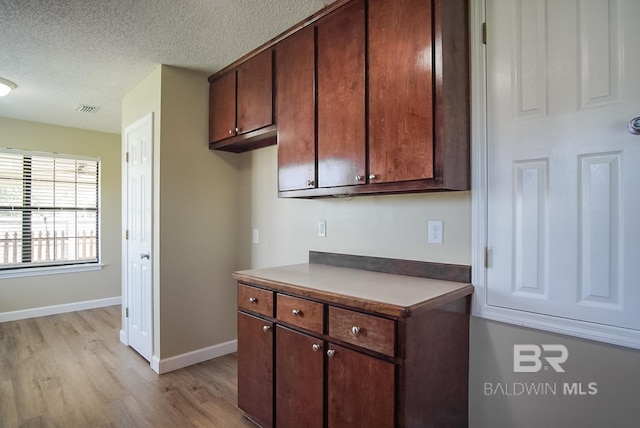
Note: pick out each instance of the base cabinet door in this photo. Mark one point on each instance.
(299, 380)
(360, 389)
(255, 368)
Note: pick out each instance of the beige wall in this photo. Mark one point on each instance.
(18, 294)
(195, 219)
(386, 226)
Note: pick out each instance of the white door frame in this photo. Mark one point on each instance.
(479, 207)
(124, 332)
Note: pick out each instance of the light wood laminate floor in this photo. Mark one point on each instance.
(71, 370)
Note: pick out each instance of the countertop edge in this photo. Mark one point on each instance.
(379, 307)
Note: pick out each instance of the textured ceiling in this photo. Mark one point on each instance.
(62, 53)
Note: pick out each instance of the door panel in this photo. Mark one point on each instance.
(255, 368)
(341, 97)
(360, 390)
(299, 384)
(222, 107)
(400, 90)
(295, 110)
(563, 203)
(139, 145)
(255, 89)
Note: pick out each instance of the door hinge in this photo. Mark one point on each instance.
(484, 33)
(126, 312)
(486, 257)
(126, 234)
(126, 157)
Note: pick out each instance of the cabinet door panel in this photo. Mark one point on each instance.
(255, 93)
(400, 90)
(255, 368)
(295, 110)
(299, 383)
(341, 96)
(360, 390)
(222, 107)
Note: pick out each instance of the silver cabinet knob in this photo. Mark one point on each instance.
(316, 347)
(372, 176)
(145, 256)
(231, 132)
(355, 330)
(331, 353)
(266, 328)
(296, 312)
(238, 130)
(311, 182)
(253, 300)
(359, 178)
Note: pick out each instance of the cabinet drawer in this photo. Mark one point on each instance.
(255, 300)
(300, 312)
(368, 331)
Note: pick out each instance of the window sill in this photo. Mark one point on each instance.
(50, 270)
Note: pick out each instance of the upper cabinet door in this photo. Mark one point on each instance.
(295, 110)
(255, 93)
(341, 97)
(222, 107)
(400, 91)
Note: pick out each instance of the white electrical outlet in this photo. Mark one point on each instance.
(256, 236)
(322, 228)
(435, 230)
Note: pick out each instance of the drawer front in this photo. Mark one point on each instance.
(300, 313)
(255, 300)
(368, 331)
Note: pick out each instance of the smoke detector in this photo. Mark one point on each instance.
(83, 108)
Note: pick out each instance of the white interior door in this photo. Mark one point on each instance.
(139, 146)
(563, 170)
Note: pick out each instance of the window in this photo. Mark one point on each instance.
(48, 210)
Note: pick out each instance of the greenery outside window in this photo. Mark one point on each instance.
(49, 212)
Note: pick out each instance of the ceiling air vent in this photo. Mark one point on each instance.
(83, 108)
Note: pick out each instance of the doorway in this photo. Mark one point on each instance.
(137, 248)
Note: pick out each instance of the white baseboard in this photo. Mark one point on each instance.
(194, 357)
(58, 309)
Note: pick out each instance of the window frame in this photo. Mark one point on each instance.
(24, 269)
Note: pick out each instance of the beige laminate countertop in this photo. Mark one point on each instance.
(389, 294)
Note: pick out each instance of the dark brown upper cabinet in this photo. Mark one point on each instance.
(295, 108)
(241, 106)
(371, 97)
(341, 96)
(400, 91)
(392, 98)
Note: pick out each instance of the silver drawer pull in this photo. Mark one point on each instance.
(316, 347)
(331, 353)
(296, 312)
(355, 330)
(266, 328)
(253, 300)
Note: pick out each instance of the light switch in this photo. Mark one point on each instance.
(322, 228)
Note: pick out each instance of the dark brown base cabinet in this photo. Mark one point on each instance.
(304, 361)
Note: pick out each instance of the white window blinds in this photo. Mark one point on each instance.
(48, 210)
